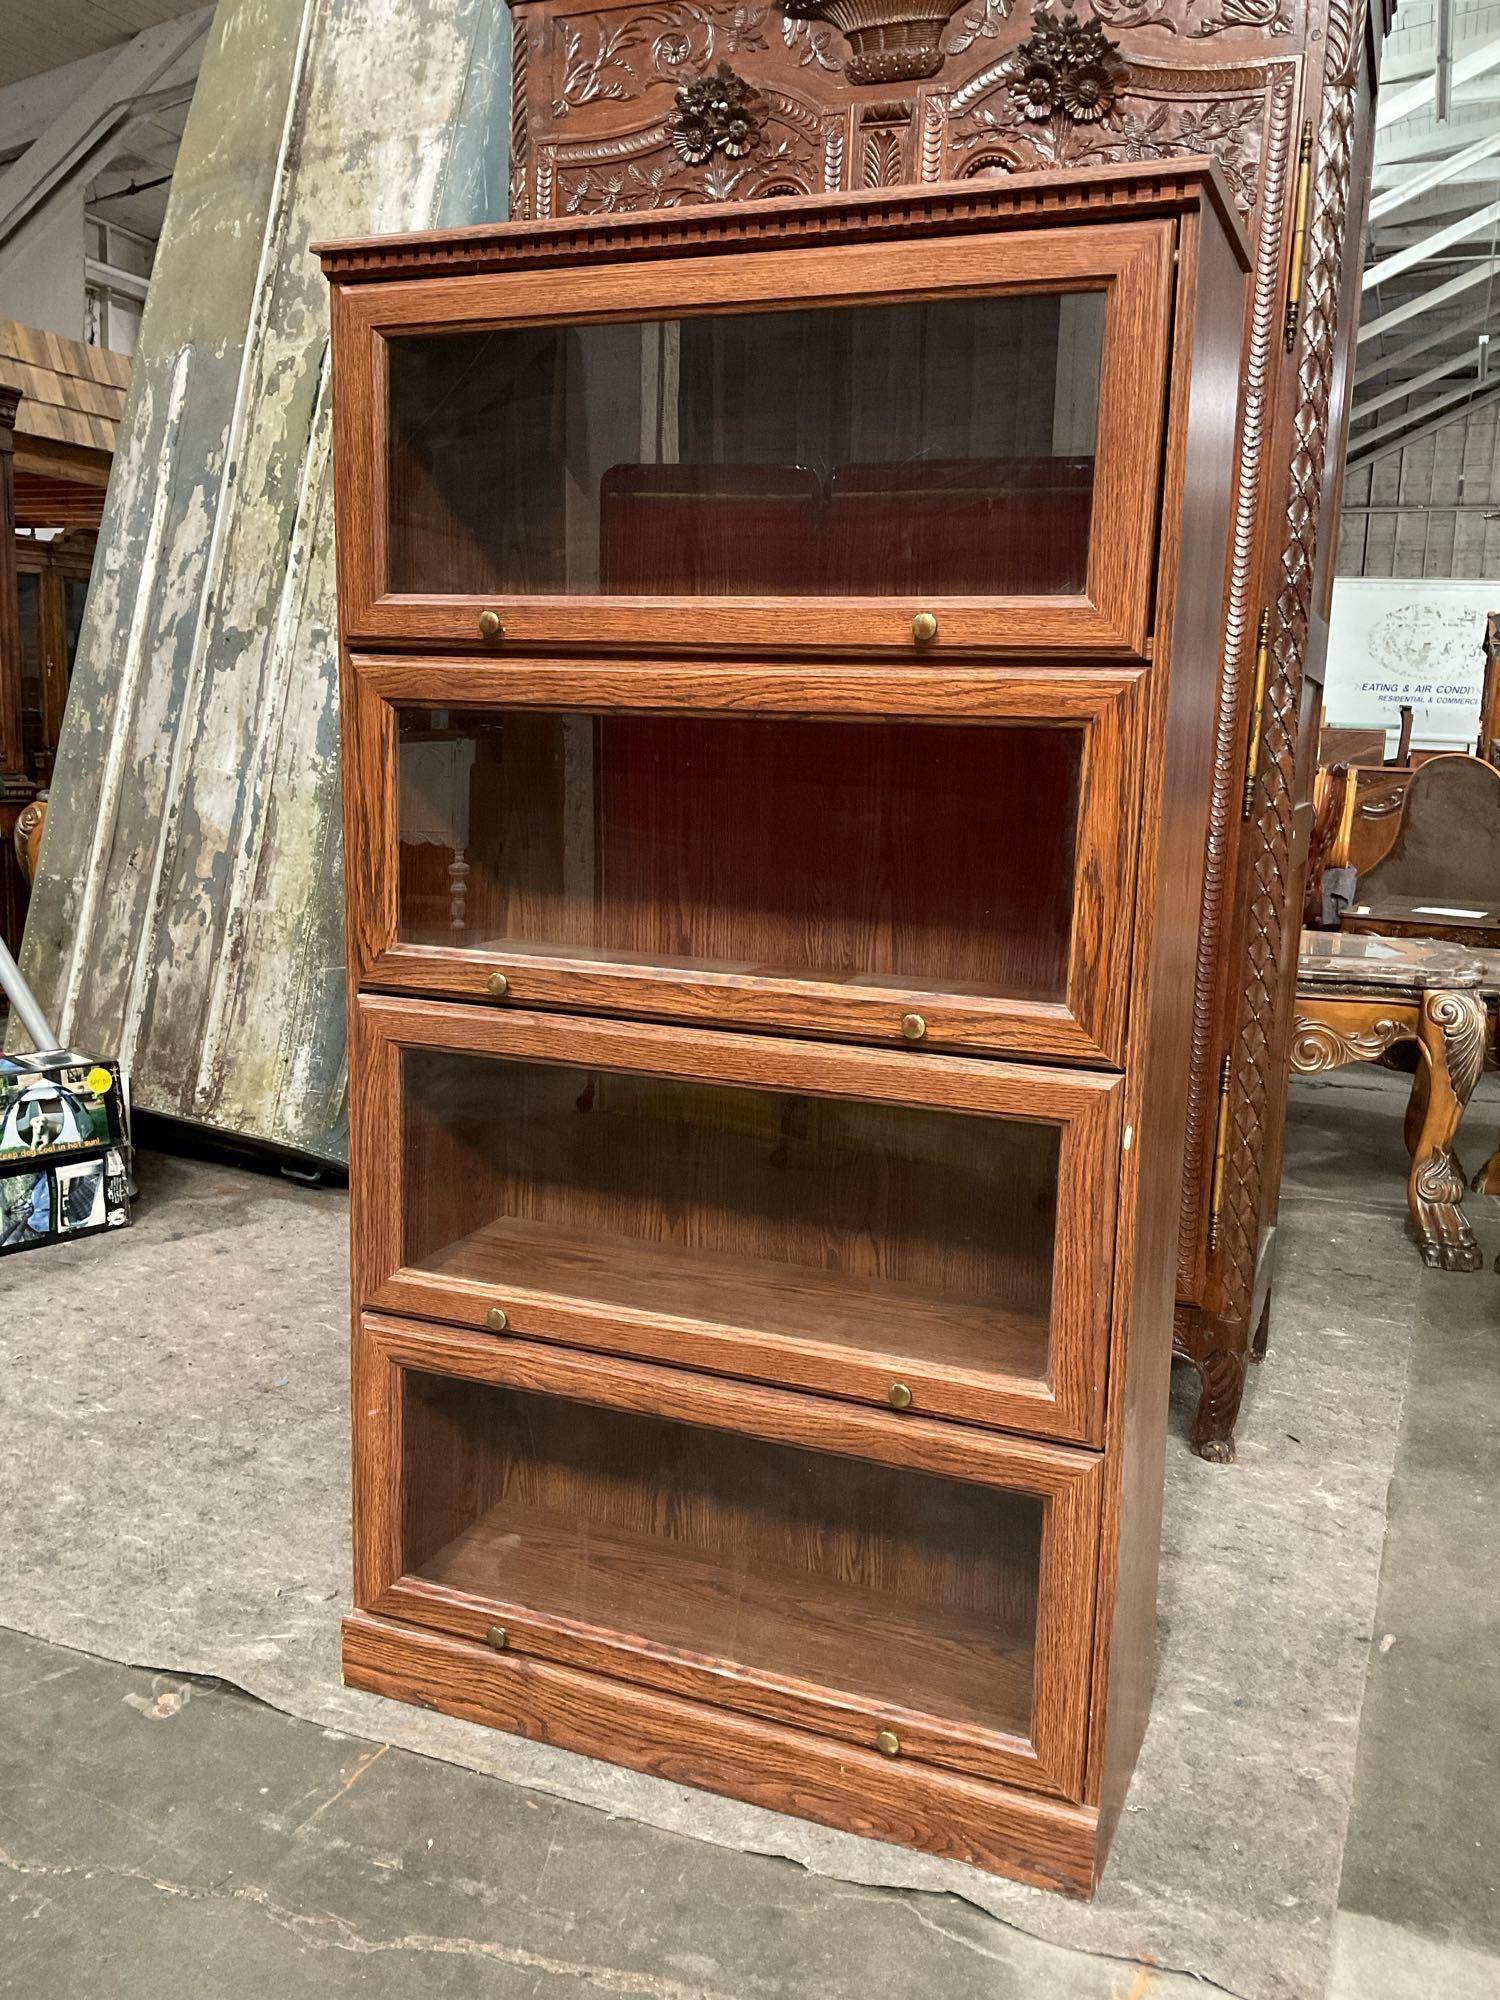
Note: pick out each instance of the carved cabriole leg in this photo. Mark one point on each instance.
(1417, 1106)
(1485, 1181)
(1451, 1033)
(1215, 1350)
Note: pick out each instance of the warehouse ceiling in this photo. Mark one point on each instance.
(1432, 277)
(39, 37)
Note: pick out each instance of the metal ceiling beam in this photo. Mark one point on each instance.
(1428, 246)
(1393, 154)
(73, 139)
(1437, 175)
(1395, 435)
(1409, 51)
(1397, 390)
(1482, 268)
(1449, 330)
(1417, 96)
(1442, 68)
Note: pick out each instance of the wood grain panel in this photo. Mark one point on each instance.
(1037, 1840)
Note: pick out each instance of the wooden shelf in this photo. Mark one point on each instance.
(437, 934)
(643, 1589)
(880, 1318)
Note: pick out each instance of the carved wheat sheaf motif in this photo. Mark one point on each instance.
(1271, 834)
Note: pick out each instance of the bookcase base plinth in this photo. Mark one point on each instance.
(998, 1828)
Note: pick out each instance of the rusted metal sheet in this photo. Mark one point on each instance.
(188, 913)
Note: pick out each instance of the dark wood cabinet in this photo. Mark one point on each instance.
(779, 653)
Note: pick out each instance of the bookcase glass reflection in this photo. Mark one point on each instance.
(903, 854)
(788, 1214)
(944, 447)
(892, 1585)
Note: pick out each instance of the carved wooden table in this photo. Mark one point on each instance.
(1357, 997)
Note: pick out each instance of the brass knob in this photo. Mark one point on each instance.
(496, 1320)
(898, 1396)
(888, 1743)
(924, 628)
(913, 1027)
(489, 625)
(498, 1637)
(497, 985)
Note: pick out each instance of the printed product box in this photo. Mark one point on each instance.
(63, 1143)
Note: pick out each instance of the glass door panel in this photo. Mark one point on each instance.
(940, 448)
(911, 447)
(759, 1560)
(890, 1228)
(905, 856)
(924, 1233)
(950, 863)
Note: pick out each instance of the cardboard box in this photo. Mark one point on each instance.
(63, 1145)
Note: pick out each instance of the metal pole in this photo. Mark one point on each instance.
(21, 997)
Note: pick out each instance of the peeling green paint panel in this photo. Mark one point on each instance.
(188, 915)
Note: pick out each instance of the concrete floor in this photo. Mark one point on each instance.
(163, 1839)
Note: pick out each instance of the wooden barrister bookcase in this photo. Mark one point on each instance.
(779, 653)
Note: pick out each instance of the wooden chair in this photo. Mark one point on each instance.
(1441, 877)
(28, 835)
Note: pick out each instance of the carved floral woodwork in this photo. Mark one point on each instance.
(1063, 95)
(717, 114)
(1066, 68)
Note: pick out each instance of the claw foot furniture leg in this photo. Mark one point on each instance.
(1450, 1031)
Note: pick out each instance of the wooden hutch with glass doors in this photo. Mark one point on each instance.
(779, 654)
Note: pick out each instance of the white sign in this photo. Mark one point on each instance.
(1411, 641)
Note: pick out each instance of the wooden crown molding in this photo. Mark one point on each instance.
(1129, 192)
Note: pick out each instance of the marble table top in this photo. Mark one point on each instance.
(1349, 962)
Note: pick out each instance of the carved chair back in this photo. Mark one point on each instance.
(1447, 848)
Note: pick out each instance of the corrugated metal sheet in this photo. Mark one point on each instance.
(188, 914)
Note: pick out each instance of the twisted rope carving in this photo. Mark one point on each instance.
(1256, 1054)
(520, 208)
(1265, 329)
